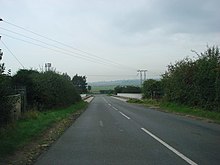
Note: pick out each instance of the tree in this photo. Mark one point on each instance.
(2, 66)
(54, 90)
(195, 82)
(24, 78)
(152, 89)
(46, 89)
(80, 83)
(5, 91)
(89, 88)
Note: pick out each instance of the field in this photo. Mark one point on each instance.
(96, 89)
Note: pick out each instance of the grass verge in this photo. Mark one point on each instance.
(180, 109)
(32, 125)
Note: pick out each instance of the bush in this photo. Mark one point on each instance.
(47, 89)
(152, 89)
(195, 82)
(5, 105)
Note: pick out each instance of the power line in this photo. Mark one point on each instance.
(103, 59)
(50, 48)
(12, 54)
(54, 46)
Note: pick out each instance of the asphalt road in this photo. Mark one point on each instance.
(111, 131)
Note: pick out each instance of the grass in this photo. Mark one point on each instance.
(180, 109)
(31, 126)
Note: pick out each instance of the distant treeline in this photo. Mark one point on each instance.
(127, 89)
(193, 82)
(122, 89)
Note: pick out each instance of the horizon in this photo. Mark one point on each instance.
(106, 40)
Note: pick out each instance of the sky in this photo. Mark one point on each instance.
(106, 39)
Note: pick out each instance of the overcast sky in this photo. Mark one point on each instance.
(113, 38)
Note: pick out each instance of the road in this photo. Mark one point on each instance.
(111, 131)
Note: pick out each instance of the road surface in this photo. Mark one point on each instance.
(111, 131)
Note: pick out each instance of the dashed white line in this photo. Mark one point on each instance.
(109, 104)
(170, 148)
(115, 108)
(105, 100)
(124, 115)
(101, 123)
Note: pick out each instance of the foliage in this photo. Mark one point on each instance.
(137, 101)
(152, 89)
(89, 88)
(24, 78)
(47, 89)
(178, 108)
(80, 83)
(5, 104)
(54, 90)
(127, 89)
(5, 90)
(195, 82)
(2, 66)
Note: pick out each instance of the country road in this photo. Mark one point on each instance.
(113, 132)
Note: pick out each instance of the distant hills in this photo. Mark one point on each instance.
(134, 82)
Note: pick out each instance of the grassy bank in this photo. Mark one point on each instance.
(180, 109)
(31, 126)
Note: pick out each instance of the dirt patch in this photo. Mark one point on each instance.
(29, 153)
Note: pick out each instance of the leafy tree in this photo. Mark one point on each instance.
(2, 66)
(89, 88)
(24, 78)
(80, 83)
(152, 89)
(54, 90)
(5, 91)
(195, 82)
(46, 89)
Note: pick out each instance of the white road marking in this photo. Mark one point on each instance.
(105, 100)
(170, 148)
(124, 115)
(115, 108)
(109, 104)
(101, 123)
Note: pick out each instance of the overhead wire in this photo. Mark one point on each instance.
(84, 57)
(12, 54)
(45, 47)
(30, 31)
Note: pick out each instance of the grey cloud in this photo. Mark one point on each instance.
(175, 16)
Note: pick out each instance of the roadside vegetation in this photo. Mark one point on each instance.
(44, 98)
(180, 109)
(32, 125)
(190, 86)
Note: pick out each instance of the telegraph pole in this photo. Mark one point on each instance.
(141, 75)
(47, 67)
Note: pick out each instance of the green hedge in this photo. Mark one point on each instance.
(195, 82)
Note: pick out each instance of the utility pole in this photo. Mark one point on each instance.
(141, 71)
(47, 67)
